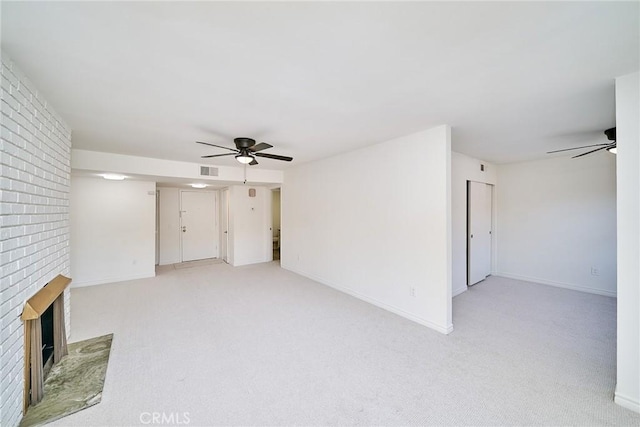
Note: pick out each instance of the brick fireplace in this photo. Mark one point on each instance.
(34, 219)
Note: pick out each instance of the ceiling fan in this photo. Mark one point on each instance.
(609, 146)
(246, 151)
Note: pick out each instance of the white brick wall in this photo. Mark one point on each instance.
(34, 219)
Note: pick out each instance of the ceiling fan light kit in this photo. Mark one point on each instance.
(246, 151)
(245, 158)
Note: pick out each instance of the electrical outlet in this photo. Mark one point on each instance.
(594, 271)
(412, 291)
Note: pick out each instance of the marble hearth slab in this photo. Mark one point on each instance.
(75, 383)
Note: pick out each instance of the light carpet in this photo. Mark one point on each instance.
(258, 345)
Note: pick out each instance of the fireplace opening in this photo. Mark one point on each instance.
(46, 321)
(45, 337)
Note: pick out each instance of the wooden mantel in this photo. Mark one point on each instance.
(37, 304)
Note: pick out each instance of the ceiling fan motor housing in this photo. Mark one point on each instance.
(244, 143)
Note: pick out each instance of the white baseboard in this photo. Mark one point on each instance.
(557, 284)
(400, 312)
(102, 281)
(243, 263)
(627, 402)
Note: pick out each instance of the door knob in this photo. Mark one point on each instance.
(184, 228)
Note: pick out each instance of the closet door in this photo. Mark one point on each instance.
(478, 231)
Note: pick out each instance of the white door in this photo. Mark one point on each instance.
(198, 225)
(224, 224)
(479, 231)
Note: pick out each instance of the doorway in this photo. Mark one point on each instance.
(198, 225)
(479, 231)
(275, 222)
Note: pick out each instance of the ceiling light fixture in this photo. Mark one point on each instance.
(613, 150)
(113, 176)
(198, 185)
(245, 158)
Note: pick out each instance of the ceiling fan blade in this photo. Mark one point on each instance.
(253, 162)
(576, 148)
(261, 146)
(219, 146)
(274, 156)
(217, 155)
(593, 151)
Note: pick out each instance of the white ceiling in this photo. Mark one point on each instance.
(314, 79)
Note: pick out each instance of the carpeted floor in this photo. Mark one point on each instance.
(257, 345)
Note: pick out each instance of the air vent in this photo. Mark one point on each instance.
(208, 171)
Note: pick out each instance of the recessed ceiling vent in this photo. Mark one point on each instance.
(208, 171)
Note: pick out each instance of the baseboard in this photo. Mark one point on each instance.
(249, 262)
(457, 292)
(557, 284)
(627, 402)
(393, 309)
(102, 281)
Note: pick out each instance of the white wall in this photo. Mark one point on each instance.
(375, 223)
(112, 230)
(463, 169)
(250, 238)
(557, 221)
(169, 229)
(35, 160)
(628, 335)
